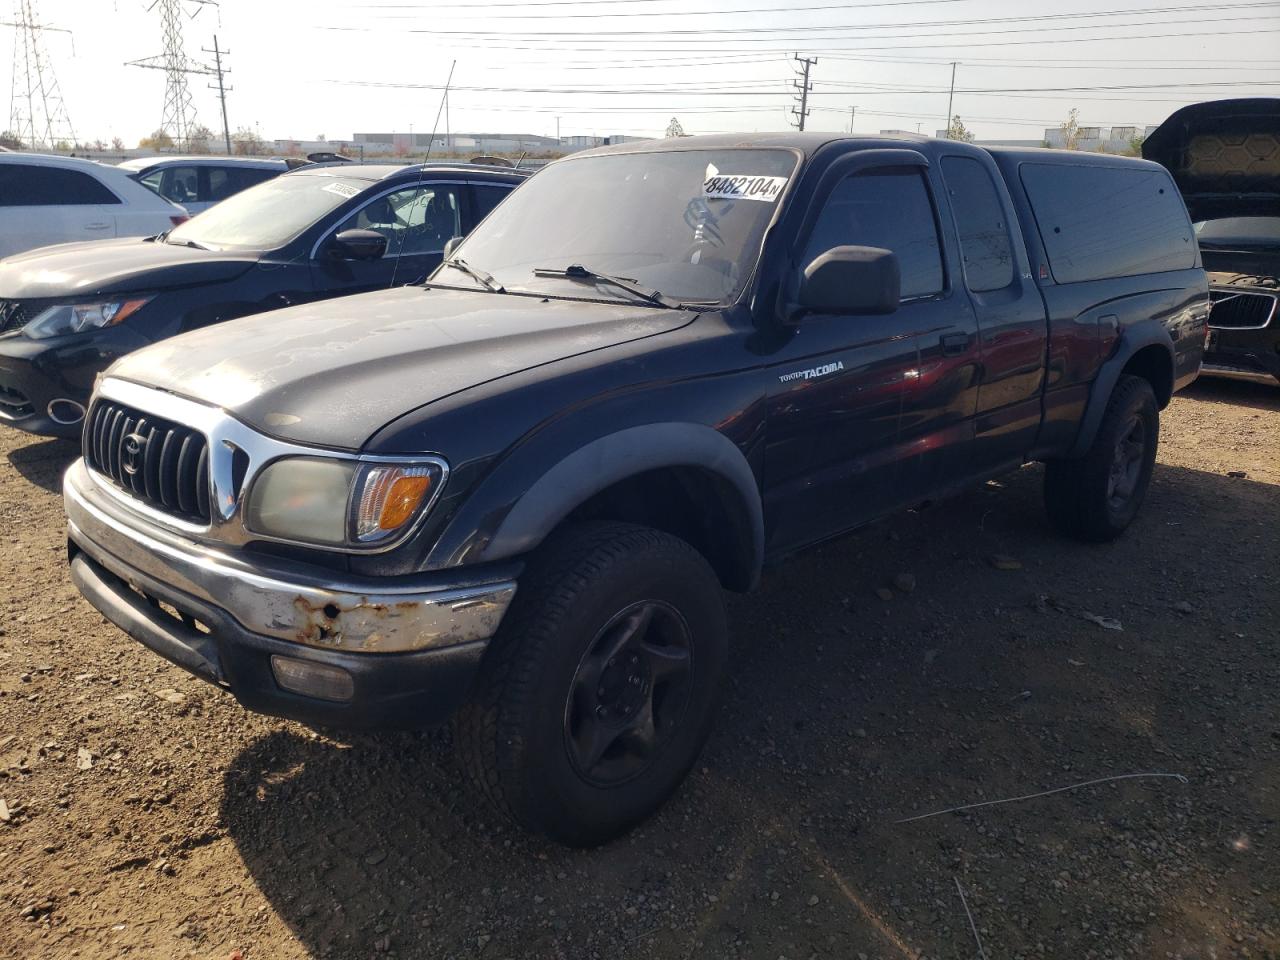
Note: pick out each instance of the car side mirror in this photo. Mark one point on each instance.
(359, 245)
(851, 280)
(451, 246)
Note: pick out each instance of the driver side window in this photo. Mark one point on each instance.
(416, 220)
(888, 208)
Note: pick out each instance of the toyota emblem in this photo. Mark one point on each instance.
(131, 453)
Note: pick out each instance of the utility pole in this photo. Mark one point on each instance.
(804, 86)
(852, 111)
(557, 131)
(951, 97)
(222, 90)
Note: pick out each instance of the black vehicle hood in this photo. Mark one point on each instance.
(333, 373)
(126, 265)
(1224, 156)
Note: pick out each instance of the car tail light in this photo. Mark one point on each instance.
(178, 219)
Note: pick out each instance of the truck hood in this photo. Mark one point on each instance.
(332, 373)
(126, 265)
(1224, 156)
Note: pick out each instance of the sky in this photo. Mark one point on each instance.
(305, 68)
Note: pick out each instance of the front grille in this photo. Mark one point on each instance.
(13, 315)
(1240, 311)
(15, 404)
(162, 463)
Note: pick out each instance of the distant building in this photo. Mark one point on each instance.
(413, 143)
(1106, 139)
(570, 144)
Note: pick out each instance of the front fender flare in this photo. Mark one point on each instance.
(614, 457)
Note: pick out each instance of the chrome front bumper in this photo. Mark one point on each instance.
(320, 609)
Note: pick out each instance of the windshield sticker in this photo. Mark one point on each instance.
(341, 189)
(743, 187)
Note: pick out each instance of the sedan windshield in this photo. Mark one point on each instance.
(686, 224)
(269, 215)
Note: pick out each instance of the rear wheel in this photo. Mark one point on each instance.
(1097, 496)
(599, 690)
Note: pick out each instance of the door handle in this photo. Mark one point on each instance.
(97, 226)
(955, 344)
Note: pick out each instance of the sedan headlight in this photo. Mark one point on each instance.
(341, 503)
(66, 318)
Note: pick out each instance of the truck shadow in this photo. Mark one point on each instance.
(1259, 396)
(43, 462)
(984, 678)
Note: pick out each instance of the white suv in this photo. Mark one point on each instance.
(49, 199)
(197, 183)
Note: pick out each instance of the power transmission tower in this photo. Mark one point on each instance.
(804, 86)
(37, 115)
(221, 88)
(179, 116)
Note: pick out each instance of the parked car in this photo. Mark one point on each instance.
(197, 183)
(1225, 158)
(318, 232)
(514, 494)
(46, 200)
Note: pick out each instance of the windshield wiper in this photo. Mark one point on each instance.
(475, 273)
(187, 243)
(576, 271)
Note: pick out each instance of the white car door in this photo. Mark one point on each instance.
(44, 205)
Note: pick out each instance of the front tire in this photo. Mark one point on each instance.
(600, 687)
(1096, 497)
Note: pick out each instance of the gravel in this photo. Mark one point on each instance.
(200, 830)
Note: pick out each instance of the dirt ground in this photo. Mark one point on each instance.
(145, 814)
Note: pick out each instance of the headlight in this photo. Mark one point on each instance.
(341, 503)
(66, 318)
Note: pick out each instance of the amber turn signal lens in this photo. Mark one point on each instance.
(402, 500)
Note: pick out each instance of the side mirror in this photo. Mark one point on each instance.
(358, 245)
(451, 246)
(851, 280)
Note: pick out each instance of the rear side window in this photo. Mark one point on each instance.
(226, 181)
(980, 222)
(487, 196)
(1102, 222)
(180, 184)
(29, 185)
(250, 177)
(887, 208)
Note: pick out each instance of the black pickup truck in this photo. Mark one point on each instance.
(512, 495)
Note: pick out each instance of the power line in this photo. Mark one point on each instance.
(790, 10)
(602, 3)
(490, 45)
(863, 27)
(805, 88)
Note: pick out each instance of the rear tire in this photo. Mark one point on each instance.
(1096, 497)
(600, 687)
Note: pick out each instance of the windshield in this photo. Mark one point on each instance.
(686, 223)
(268, 215)
(1239, 232)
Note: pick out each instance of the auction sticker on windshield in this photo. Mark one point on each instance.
(341, 189)
(743, 187)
